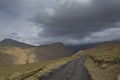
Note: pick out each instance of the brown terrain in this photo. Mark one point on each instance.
(103, 61)
(13, 52)
(55, 61)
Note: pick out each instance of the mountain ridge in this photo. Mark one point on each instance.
(22, 53)
(13, 43)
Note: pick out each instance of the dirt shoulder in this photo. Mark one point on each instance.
(103, 71)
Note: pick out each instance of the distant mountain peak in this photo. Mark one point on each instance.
(6, 40)
(11, 42)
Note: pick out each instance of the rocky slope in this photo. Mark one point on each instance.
(13, 52)
(103, 61)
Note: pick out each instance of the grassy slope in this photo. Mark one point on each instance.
(108, 52)
(19, 54)
(14, 55)
(31, 71)
(103, 61)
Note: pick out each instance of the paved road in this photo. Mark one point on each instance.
(74, 70)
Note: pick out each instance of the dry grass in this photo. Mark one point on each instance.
(22, 55)
(99, 73)
(19, 55)
(31, 71)
(104, 61)
(104, 53)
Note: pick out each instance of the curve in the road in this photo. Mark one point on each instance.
(74, 70)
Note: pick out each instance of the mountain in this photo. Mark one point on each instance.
(13, 43)
(55, 50)
(103, 61)
(85, 46)
(79, 47)
(104, 52)
(13, 52)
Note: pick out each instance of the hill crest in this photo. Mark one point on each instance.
(22, 53)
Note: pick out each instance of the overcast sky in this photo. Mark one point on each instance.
(68, 21)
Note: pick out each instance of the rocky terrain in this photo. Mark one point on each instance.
(13, 52)
(103, 60)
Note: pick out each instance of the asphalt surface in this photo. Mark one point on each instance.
(74, 70)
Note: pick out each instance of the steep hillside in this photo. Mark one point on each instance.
(104, 52)
(52, 51)
(13, 52)
(103, 61)
(6, 59)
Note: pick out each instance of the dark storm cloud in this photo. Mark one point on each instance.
(67, 21)
(76, 20)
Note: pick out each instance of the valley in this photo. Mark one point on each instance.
(55, 61)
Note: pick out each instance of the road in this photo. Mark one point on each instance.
(74, 70)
